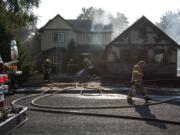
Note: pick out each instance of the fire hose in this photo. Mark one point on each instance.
(73, 111)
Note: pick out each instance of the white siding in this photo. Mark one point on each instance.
(47, 41)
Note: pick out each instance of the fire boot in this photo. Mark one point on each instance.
(129, 99)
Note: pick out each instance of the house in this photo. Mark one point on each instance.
(58, 34)
(142, 41)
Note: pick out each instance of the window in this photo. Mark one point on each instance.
(160, 55)
(58, 36)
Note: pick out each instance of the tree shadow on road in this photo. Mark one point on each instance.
(145, 112)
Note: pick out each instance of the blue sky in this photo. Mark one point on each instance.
(133, 9)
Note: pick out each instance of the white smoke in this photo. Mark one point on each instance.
(105, 21)
(103, 18)
(173, 25)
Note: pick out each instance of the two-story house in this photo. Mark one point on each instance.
(57, 34)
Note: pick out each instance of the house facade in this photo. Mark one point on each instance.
(143, 41)
(58, 33)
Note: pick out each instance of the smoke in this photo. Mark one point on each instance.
(104, 21)
(103, 18)
(101, 22)
(172, 25)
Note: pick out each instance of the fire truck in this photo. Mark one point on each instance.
(8, 70)
(10, 118)
(4, 80)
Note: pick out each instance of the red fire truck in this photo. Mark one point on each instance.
(8, 71)
(3, 84)
(9, 117)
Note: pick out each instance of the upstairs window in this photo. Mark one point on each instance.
(58, 37)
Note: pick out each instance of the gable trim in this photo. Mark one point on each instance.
(44, 27)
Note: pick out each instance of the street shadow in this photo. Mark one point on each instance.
(145, 112)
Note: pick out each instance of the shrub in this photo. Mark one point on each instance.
(26, 65)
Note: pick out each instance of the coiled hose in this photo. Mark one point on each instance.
(73, 111)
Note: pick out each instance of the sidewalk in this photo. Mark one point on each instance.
(63, 80)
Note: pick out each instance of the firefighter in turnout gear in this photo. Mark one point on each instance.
(88, 66)
(47, 70)
(136, 81)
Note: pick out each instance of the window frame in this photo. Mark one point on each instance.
(58, 37)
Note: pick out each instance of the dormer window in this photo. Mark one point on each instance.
(58, 37)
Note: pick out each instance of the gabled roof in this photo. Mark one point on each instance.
(82, 25)
(44, 27)
(140, 23)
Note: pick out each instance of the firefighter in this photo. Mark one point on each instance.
(47, 70)
(136, 81)
(88, 66)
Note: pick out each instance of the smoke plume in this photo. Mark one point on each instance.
(105, 21)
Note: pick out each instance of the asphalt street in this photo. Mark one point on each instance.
(43, 123)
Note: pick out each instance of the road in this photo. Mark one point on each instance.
(41, 123)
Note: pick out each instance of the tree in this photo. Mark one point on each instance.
(71, 50)
(170, 24)
(19, 12)
(15, 15)
(87, 14)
